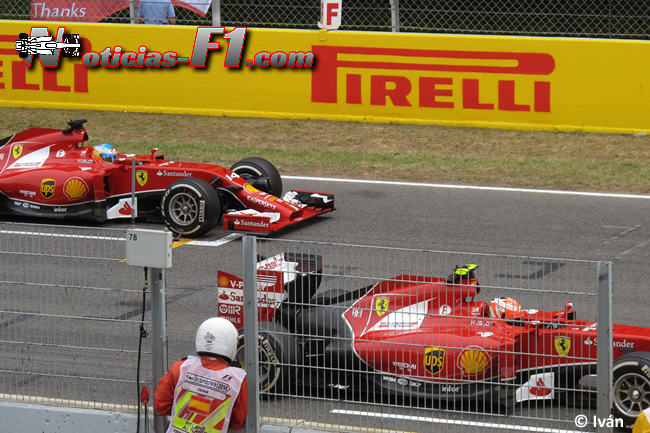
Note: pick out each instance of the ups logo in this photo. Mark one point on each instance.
(434, 359)
(47, 187)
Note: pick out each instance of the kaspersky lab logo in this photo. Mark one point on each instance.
(48, 48)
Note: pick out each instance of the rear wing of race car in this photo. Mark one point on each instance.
(311, 204)
(286, 278)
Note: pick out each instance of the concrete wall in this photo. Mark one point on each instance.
(28, 418)
(36, 418)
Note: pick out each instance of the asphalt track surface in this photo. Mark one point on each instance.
(444, 218)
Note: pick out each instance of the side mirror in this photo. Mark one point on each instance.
(568, 311)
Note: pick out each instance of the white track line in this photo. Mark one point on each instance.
(489, 188)
(454, 422)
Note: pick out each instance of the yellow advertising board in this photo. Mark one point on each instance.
(487, 81)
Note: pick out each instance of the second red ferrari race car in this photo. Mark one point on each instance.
(428, 339)
(54, 173)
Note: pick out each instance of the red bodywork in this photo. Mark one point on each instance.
(52, 173)
(431, 329)
(423, 336)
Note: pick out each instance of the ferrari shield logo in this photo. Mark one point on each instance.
(142, 177)
(47, 188)
(562, 345)
(381, 306)
(434, 359)
(17, 151)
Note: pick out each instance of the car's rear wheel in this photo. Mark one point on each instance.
(261, 174)
(631, 389)
(191, 207)
(278, 356)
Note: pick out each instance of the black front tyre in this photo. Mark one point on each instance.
(261, 174)
(191, 207)
(631, 388)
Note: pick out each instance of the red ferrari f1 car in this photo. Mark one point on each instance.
(53, 173)
(428, 339)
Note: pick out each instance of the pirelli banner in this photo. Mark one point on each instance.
(486, 81)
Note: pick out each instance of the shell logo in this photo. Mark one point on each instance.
(75, 188)
(473, 360)
(223, 282)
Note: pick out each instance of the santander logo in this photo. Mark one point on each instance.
(541, 389)
(126, 209)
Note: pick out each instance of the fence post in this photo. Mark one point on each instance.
(605, 346)
(156, 278)
(251, 350)
(216, 13)
(152, 249)
(394, 15)
(133, 11)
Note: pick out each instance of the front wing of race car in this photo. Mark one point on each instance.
(308, 204)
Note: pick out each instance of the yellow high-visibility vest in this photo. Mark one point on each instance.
(642, 424)
(204, 398)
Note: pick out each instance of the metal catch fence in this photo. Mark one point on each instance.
(70, 317)
(584, 18)
(356, 337)
(348, 337)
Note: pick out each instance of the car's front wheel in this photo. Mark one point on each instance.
(261, 174)
(191, 207)
(631, 373)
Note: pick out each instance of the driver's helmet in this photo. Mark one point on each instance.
(105, 151)
(500, 308)
(217, 337)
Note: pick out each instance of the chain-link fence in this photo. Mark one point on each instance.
(585, 18)
(349, 336)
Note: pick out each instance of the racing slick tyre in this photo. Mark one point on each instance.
(191, 207)
(278, 356)
(631, 389)
(261, 174)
